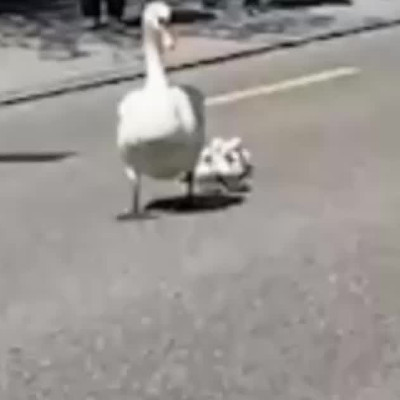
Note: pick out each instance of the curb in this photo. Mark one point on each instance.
(115, 77)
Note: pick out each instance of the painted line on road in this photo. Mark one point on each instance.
(282, 86)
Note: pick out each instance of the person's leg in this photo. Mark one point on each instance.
(91, 9)
(115, 9)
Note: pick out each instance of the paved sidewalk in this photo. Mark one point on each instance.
(99, 58)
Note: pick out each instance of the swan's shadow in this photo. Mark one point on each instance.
(145, 215)
(40, 157)
(197, 204)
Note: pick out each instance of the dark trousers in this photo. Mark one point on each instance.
(92, 8)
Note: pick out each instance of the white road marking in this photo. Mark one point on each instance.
(282, 86)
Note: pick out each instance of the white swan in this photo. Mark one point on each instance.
(161, 127)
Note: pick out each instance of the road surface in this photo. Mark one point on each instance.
(291, 294)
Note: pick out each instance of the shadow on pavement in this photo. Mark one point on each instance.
(34, 157)
(200, 203)
(145, 215)
(276, 21)
(305, 3)
(255, 18)
(44, 25)
(180, 16)
(53, 27)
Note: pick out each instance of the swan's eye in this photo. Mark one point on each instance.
(164, 21)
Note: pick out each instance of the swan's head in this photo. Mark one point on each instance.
(157, 18)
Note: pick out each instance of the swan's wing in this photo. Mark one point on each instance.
(189, 108)
(122, 107)
(128, 102)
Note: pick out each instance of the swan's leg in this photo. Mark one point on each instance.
(134, 178)
(136, 189)
(190, 185)
(134, 210)
(189, 198)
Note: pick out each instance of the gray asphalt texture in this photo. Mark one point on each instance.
(291, 294)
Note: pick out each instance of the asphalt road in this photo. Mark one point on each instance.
(292, 294)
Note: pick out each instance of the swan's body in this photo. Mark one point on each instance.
(161, 136)
(161, 127)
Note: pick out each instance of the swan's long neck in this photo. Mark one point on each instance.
(156, 75)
